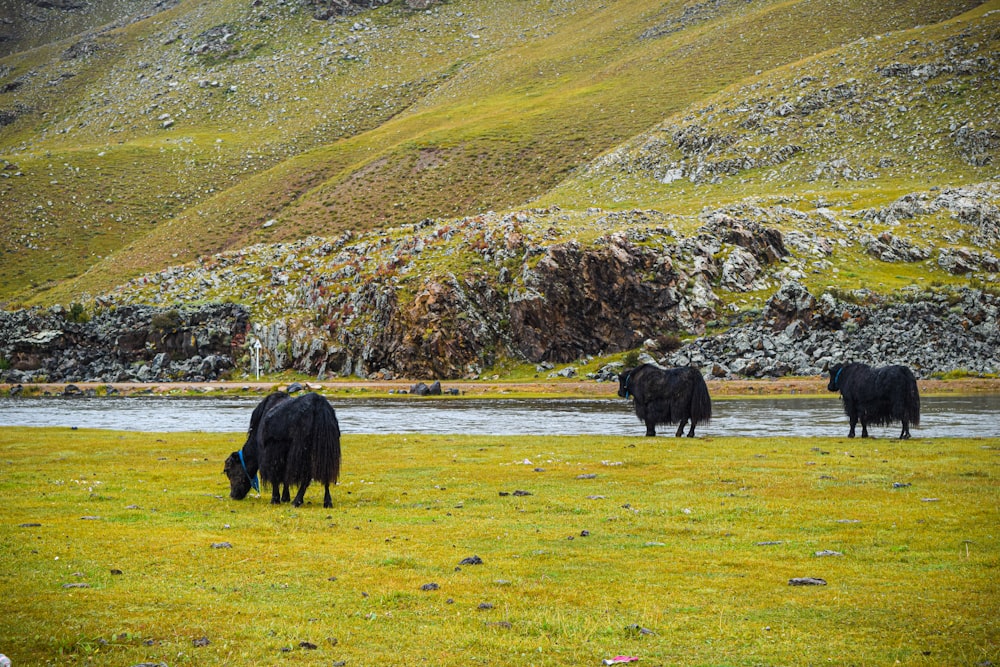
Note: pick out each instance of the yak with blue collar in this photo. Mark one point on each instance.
(877, 396)
(291, 441)
(667, 396)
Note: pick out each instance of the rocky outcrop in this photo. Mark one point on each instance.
(798, 334)
(576, 301)
(131, 343)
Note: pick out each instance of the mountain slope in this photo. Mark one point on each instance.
(211, 125)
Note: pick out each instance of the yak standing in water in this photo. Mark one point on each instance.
(667, 396)
(291, 441)
(877, 396)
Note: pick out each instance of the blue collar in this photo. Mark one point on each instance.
(836, 383)
(628, 378)
(253, 480)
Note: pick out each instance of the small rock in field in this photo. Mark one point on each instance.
(430, 587)
(828, 552)
(806, 581)
(221, 545)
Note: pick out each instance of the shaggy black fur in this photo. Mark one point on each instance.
(667, 396)
(290, 441)
(877, 396)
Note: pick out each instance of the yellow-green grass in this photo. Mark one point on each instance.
(692, 540)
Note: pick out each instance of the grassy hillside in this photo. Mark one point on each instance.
(212, 125)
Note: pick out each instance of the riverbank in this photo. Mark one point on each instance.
(488, 389)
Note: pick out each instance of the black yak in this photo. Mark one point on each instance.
(877, 396)
(290, 441)
(667, 396)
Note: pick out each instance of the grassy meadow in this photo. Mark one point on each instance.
(120, 548)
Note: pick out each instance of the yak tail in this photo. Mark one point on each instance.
(701, 402)
(911, 400)
(325, 443)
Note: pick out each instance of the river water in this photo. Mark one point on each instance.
(968, 416)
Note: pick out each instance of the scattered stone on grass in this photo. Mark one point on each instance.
(308, 646)
(485, 606)
(900, 485)
(806, 581)
(30, 525)
(589, 475)
(637, 629)
(430, 587)
(769, 544)
(828, 552)
(79, 585)
(201, 641)
(221, 545)
(471, 560)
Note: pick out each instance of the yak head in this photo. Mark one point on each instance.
(624, 391)
(834, 372)
(240, 481)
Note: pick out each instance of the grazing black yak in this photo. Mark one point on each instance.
(667, 396)
(877, 396)
(290, 441)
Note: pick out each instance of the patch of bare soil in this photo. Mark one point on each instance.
(564, 389)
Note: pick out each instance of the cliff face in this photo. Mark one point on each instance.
(133, 343)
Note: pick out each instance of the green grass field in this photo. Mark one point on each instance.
(678, 552)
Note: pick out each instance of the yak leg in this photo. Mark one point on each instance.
(285, 496)
(864, 428)
(905, 435)
(691, 430)
(854, 422)
(300, 495)
(680, 428)
(650, 428)
(275, 496)
(327, 500)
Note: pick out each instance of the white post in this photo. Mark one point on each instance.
(256, 354)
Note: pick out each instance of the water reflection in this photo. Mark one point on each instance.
(972, 416)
